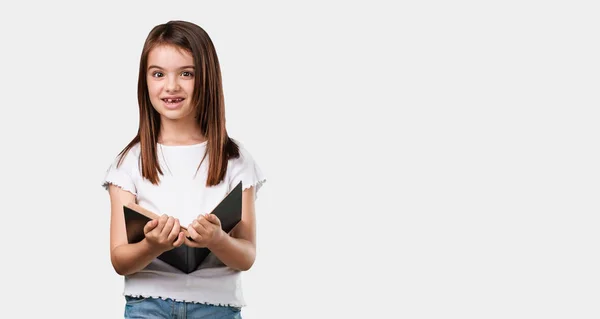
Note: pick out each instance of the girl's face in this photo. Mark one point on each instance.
(170, 78)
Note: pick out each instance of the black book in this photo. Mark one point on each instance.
(185, 258)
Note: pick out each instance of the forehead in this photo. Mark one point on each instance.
(169, 57)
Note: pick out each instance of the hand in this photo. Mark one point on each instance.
(205, 231)
(164, 233)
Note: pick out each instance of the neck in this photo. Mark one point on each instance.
(180, 132)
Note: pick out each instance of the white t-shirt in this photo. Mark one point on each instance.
(182, 193)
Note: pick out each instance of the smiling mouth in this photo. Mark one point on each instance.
(173, 101)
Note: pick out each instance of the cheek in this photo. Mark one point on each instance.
(188, 86)
(153, 89)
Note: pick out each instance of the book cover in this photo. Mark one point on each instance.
(185, 258)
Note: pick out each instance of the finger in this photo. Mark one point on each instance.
(206, 224)
(168, 227)
(180, 240)
(150, 225)
(174, 230)
(214, 219)
(197, 225)
(186, 233)
(161, 223)
(194, 234)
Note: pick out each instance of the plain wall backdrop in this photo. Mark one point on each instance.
(426, 159)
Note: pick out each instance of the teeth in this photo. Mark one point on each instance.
(173, 100)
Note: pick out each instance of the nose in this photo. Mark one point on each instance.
(172, 84)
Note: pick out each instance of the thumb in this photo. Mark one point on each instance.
(150, 226)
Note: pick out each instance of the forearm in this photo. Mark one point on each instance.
(236, 253)
(131, 258)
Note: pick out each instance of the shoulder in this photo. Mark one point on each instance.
(244, 168)
(244, 158)
(134, 151)
(123, 170)
(128, 158)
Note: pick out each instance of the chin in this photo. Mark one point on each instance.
(175, 114)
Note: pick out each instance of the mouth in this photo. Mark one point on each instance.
(172, 103)
(174, 100)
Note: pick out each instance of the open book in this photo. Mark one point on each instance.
(185, 258)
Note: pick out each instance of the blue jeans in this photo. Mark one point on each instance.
(155, 308)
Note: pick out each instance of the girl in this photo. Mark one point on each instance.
(181, 164)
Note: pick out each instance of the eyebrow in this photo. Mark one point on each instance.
(181, 68)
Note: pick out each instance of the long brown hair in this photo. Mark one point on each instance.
(207, 100)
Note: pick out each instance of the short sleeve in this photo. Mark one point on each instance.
(246, 170)
(121, 175)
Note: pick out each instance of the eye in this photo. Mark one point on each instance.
(157, 74)
(187, 74)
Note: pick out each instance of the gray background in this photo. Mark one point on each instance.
(425, 159)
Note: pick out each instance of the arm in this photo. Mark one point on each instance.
(237, 250)
(160, 236)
